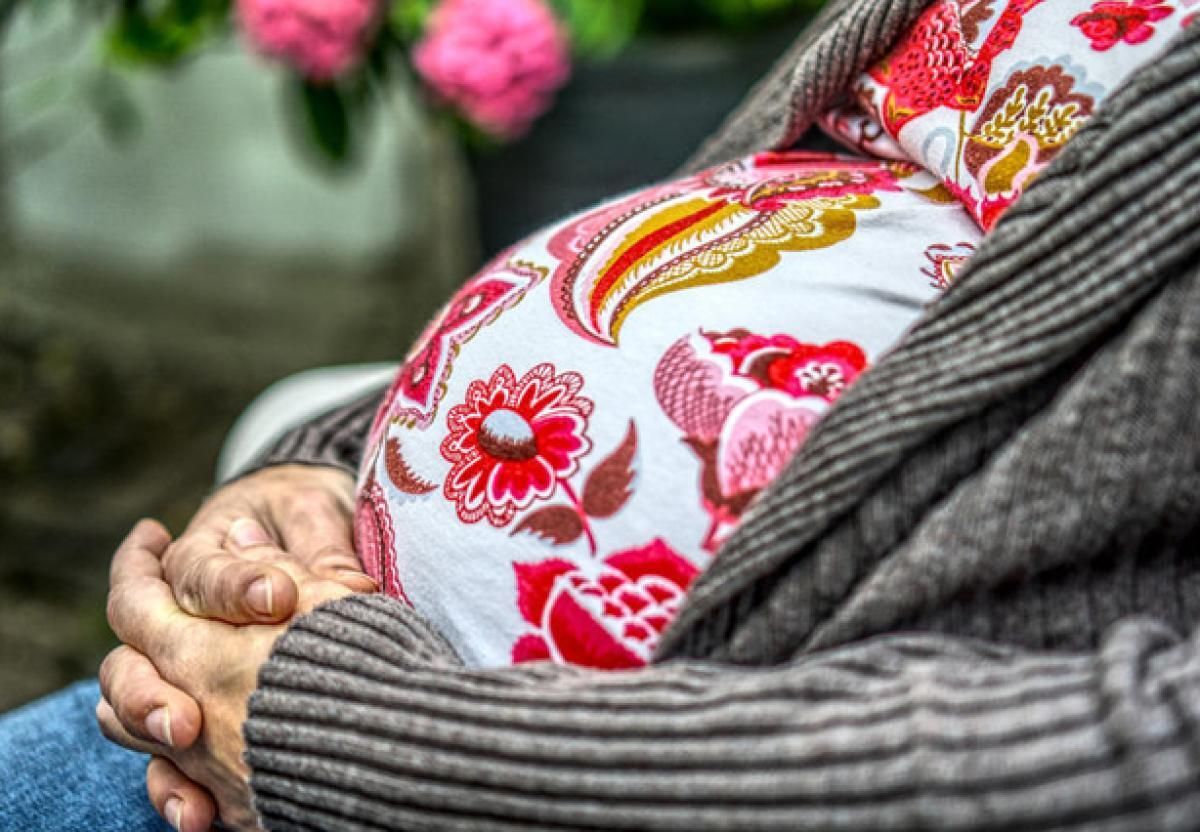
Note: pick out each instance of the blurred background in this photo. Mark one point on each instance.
(199, 197)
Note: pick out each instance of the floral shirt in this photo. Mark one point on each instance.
(582, 426)
(985, 93)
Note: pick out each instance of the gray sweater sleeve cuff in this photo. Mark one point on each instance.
(336, 438)
(365, 719)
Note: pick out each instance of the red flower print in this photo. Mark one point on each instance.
(513, 440)
(419, 384)
(1112, 21)
(780, 362)
(606, 614)
(934, 65)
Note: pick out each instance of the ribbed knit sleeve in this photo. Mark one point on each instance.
(336, 437)
(365, 719)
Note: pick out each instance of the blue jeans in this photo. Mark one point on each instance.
(59, 774)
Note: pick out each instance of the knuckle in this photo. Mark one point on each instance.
(150, 529)
(144, 584)
(307, 501)
(178, 555)
(131, 698)
(115, 605)
(106, 674)
(110, 728)
(123, 599)
(106, 728)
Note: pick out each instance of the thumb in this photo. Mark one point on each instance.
(326, 551)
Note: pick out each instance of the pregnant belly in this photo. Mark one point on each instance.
(580, 429)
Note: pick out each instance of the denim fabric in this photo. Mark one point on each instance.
(59, 774)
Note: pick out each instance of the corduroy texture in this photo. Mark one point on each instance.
(364, 720)
(334, 438)
(944, 446)
(1025, 465)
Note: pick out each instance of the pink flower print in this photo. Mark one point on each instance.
(745, 403)
(1112, 21)
(375, 539)
(783, 363)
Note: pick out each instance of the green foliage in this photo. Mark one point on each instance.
(163, 32)
(746, 13)
(599, 28)
(720, 15)
(406, 18)
(326, 113)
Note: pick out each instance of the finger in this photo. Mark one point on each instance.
(323, 547)
(113, 731)
(321, 539)
(140, 553)
(186, 805)
(213, 583)
(136, 592)
(146, 706)
(317, 592)
(317, 529)
(352, 578)
(143, 614)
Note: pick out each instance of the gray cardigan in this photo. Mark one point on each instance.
(970, 603)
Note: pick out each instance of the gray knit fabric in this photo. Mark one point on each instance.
(945, 445)
(365, 720)
(334, 438)
(846, 38)
(1024, 466)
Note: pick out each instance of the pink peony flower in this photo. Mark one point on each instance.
(499, 62)
(321, 39)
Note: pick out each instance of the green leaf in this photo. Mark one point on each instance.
(326, 115)
(163, 32)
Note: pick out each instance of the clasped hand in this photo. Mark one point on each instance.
(261, 550)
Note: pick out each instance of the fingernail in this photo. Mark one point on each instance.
(158, 724)
(260, 597)
(246, 533)
(173, 809)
